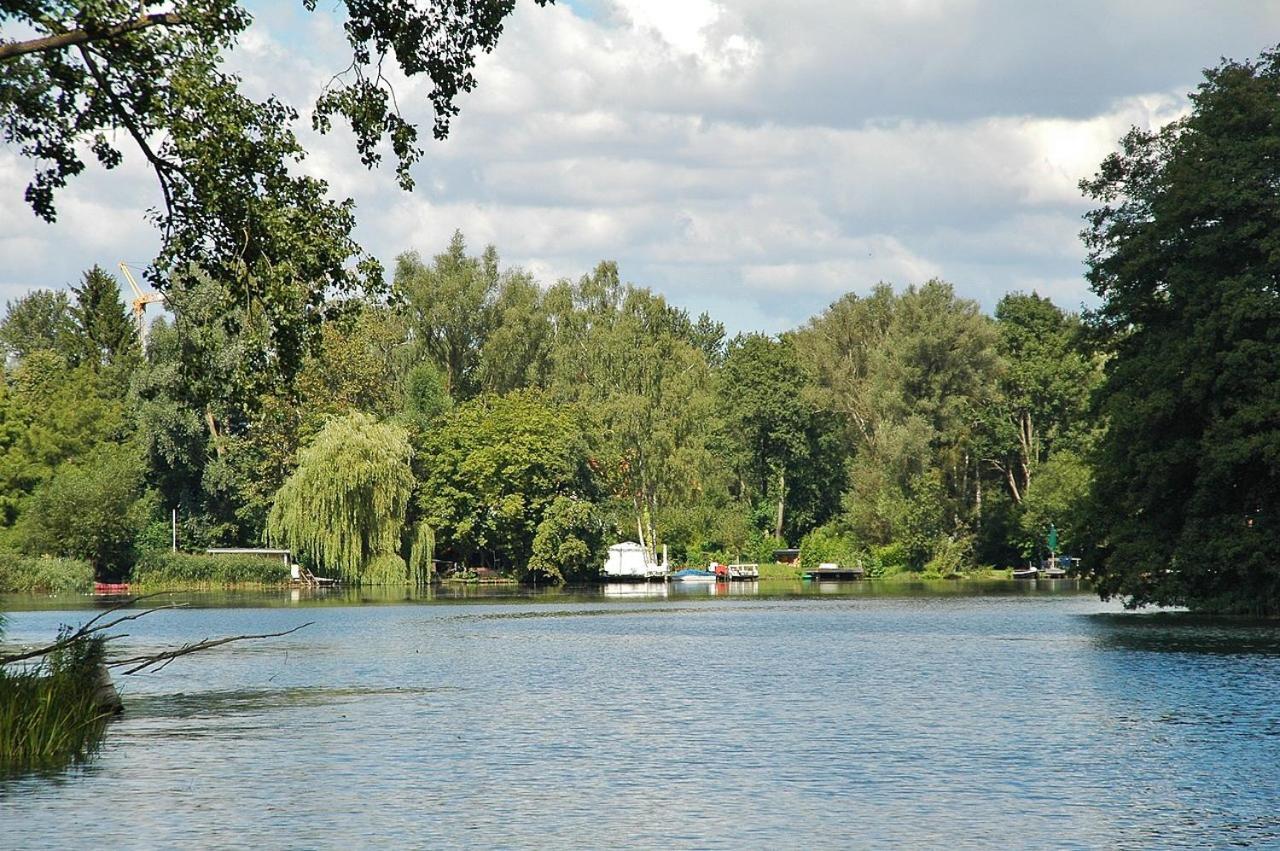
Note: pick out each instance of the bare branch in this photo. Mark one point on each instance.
(161, 166)
(141, 663)
(84, 35)
(87, 629)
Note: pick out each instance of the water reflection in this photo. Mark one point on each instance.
(462, 593)
(1183, 632)
(634, 589)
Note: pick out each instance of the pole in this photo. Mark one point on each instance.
(175, 530)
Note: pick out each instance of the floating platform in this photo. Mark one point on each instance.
(834, 572)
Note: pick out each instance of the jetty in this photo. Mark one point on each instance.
(834, 572)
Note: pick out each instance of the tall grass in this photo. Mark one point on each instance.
(22, 574)
(50, 715)
(164, 569)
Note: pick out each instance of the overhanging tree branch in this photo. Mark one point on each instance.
(85, 35)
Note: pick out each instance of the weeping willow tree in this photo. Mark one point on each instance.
(345, 504)
(422, 554)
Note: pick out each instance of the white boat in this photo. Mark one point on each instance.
(631, 560)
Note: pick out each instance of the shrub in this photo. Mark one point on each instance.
(951, 556)
(828, 544)
(385, 569)
(892, 558)
(20, 574)
(161, 567)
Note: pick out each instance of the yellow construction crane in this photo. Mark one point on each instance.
(140, 302)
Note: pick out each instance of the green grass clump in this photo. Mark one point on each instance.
(777, 570)
(161, 568)
(49, 712)
(23, 574)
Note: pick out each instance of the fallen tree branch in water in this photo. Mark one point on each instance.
(142, 663)
(158, 661)
(87, 629)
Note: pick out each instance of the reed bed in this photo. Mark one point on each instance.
(50, 713)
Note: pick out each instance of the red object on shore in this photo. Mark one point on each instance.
(111, 587)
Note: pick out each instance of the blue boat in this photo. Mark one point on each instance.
(690, 574)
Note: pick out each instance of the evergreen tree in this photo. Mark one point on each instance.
(104, 335)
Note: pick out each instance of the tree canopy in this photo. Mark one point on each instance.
(1183, 253)
(578, 415)
(81, 76)
(344, 506)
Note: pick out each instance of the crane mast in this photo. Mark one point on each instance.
(139, 303)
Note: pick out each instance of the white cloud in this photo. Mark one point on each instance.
(746, 157)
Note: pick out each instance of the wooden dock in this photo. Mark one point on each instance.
(834, 572)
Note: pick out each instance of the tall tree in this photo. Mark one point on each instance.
(630, 359)
(517, 351)
(345, 504)
(51, 414)
(449, 305)
(914, 374)
(41, 319)
(80, 76)
(785, 445)
(1046, 380)
(92, 508)
(1183, 253)
(104, 335)
(495, 469)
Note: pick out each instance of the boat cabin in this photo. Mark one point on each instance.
(630, 559)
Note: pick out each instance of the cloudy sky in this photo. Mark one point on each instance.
(751, 158)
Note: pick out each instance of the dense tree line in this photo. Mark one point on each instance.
(525, 427)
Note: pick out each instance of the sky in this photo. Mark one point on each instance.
(749, 158)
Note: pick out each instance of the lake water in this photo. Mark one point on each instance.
(947, 716)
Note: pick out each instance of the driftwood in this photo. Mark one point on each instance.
(160, 660)
(107, 695)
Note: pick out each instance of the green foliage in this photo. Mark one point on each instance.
(103, 334)
(566, 545)
(91, 509)
(49, 713)
(517, 351)
(890, 558)
(422, 553)
(23, 574)
(449, 305)
(785, 447)
(426, 398)
(829, 544)
(913, 376)
(358, 367)
(50, 414)
(1045, 384)
(1183, 255)
(1058, 495)
(344, 506)
(159, 568)
(951, 556)
(494, 467)
(630, 359)
(39, 320)
(235, 204)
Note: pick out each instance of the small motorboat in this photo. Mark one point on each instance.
(690, 574)
(1028, 572)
